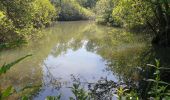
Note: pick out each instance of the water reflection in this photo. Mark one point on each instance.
(82, 49)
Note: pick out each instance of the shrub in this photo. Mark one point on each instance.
(128, 13)
(20, 18)
(72, 10)
(104, 12)
(7, 29)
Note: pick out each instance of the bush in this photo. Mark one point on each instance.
(72, 10)
(128, 13)
(87, 3)
(44, 13)
(7, 29)
(124, 13)
(19, 18)
(104, 12)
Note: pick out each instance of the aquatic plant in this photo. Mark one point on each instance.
(159, 88)
(4, 93)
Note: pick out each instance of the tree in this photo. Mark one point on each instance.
(19, 18)
(103, 12)
(152, 13)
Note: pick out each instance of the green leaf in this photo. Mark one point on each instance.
(161, 82)
(24, 98)
(151, 65)
(7, 92)
(53, 97)
(151, 80)
(28, 86)
(164, 68)
(6, 67)
(157, 72)
(157, 63)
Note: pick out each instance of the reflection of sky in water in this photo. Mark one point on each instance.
(89, 67)
(70, 48)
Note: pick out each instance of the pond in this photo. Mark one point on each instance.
(79, 49)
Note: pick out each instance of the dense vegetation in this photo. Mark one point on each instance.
(20, 21)
(73, 10)
(154, 14)
(20, 18)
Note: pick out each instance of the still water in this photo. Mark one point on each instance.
(70, 50)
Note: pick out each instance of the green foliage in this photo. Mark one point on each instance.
(24, 98)
(161, 24)
(87, 3)
(125, 13)
(79, 93)
(10, 90)
(128, 13)
(120, 92)
(159, 88)
(133, 14)
(123, 93)
(7, 30)
(19, 19)
(7, 92)
(158, 91)
(44, 13)
(6, 67)
(103, 11)
(53, 97)
(72, 10)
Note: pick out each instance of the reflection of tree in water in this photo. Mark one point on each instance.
(124, 52)
(74, 37)
(50, 79)
(149, 57)
(104, 89)
(62, 48)
(128, 59)
(121, 50)
(71, 37)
